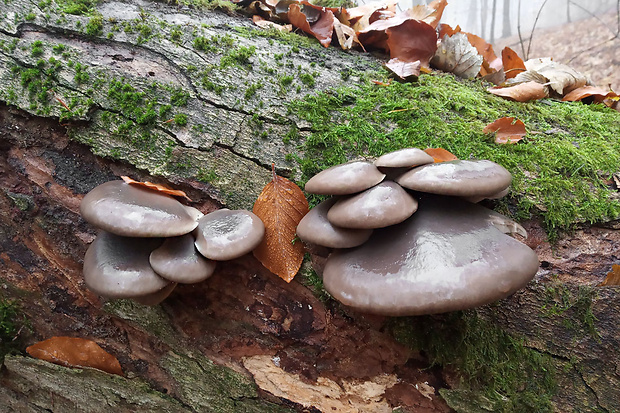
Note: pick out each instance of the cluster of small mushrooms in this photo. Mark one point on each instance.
(148, 241)
(409, 239)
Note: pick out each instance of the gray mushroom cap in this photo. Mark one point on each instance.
(345, 179)
(156, 297)
(380, 206)
(133, 211)
(315, 228)
(118, 267)
(448, 256)
(178, 260)
(404, 158)
(224, 234)
(458, 178)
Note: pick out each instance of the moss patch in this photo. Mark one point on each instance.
(10, 325)
(560, 170)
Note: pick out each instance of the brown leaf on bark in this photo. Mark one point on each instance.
(561, 78)
(440, 154)
(281, 205)
(346, 35)
(411, 41)
(156, 187)
(456, 55)
(523, 92)
(268, 24)
(404, 70)
(598, 94)
(322, 29)
(613, 277)
(75, 352)
(507, 130)
(513, 64)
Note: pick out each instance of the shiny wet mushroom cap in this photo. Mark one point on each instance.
(404, 158)
(178, 260)
(314, 228)
(458, 178)
(345, 179)
(118, 267)
(134, 211)
(380, 206)
(448, 256)
(224, 234)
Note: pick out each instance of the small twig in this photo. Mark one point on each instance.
(534, 27)
(400, 110)
(519, 30)
(168, 121)
(63, 103)
(597, 18)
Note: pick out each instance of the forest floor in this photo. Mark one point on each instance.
(590, 45)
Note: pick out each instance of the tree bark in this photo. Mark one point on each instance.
(243, 340)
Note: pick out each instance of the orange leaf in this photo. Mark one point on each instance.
(440, 154)
(523, 92)
(513, 64)
(507, 130)
(446, 29)
(156, 187)
(322, 29)
(491, 62)
(75, 352)
(613, 277)
(412, 41)
(281, 205)
(599, 94)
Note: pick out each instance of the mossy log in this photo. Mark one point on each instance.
(202, 101)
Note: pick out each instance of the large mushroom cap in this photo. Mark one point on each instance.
(315, 228)
(224, 234)
(134, 211)
(178, 260)
(118, 267)
(458, 178)
(380, 206)
(345, 179)
(404, 158)
(448, 256)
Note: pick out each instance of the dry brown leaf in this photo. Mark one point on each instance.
(430, 13)
(561, 78)
(404, 70)
(346, 36)
(369, 8)
(507, 130)
(281, 205)
(322, 29)
(268, 24)
(599, 94)
(156, 187)
(446, 29)
(75, 352)
(491, 62)
(523, 92)
(613, 277)
(440, 154)
(411, 41)
(513, 64)
(456, 55)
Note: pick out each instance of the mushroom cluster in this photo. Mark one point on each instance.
(148, 241)
(408, 238)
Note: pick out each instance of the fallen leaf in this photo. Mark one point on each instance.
(599, 94)
(346, 36)
(513, 64)
(507, 130)
(456, 55)
(156, 187)
(613, 277)
(440, 154)
(268, 24)
(430, 13)
(523, 92)
(404, 70)
(322, 29)
(411, 41)
(491, 63)
(561, 78)
(363, 12)
(446, 29)
(75, 352)
(280, 205)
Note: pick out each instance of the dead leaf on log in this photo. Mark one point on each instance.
(268, 24)
(599, 94)
(156, 187)
(513, 64)
(446, 29)
(322, 29)
(456, 55)
(523, 92)
(430, 13)
(346, 36)
(490, 63)
(281, 205)
(561, 78)
(75, 352)
(507, 130)
(404, 70)
(613, 277)
(412, 41)
(440, 154)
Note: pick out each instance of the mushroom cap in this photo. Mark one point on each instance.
(404, 158)
(156, 297)
(458, 178)
(118, 267)
(315, 228)
(448, 256)
(345, 179)
(134, 211)
(178, 260)
(380, 206)
(224, 234)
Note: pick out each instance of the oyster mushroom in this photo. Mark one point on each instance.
(394, 164)
(345, 179)
(134, 211)
(178, 260)
(448, 256)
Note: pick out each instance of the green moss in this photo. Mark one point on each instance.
(238, 57)
(36, 48)
(133, 104)
(179, 97)
(94, 27)
(222, 5)
(77, 7)
(496, 369)
(307, 79)
(251, 90)
(559, 170)
(10, 324)
(30, 17)
(560, 302)
(180, 119)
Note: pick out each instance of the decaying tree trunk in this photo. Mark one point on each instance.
(133, 92)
